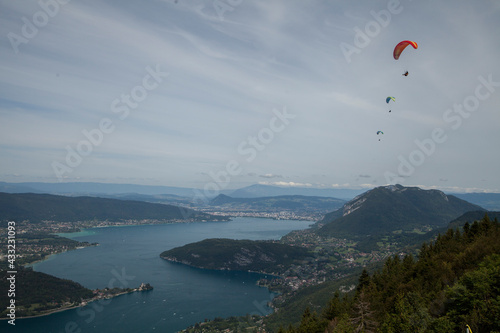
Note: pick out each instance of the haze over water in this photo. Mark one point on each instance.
(182, 295)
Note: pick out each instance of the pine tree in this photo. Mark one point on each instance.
(364, 280)
(364, 317)
(310, 323)
(340, 324)
(334, 308)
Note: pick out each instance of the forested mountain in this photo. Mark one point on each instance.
(470, 217)
(36, 292)
(391, 208)
(46, 207)
(91, 188)
(455, 282)
(247, 255)
(259, 190)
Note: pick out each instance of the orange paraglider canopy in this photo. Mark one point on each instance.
(401, 46)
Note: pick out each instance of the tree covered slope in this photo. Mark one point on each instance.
(391, 208)
(47, 207)
(455, 282)
(247, 255)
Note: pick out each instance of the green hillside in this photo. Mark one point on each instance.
(37, 292)
(394, 208)
(46, 207)
(471, 217)
(455, 282)
(247, 255)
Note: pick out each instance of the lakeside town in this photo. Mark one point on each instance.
(276, 215)
(333, 258)
(37, 241)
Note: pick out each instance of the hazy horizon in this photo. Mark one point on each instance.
(210, 193)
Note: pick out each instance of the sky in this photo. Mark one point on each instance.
(221, 94)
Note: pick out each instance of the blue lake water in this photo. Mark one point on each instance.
(182, 295)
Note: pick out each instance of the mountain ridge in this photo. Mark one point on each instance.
(94, 188)
(282, 202)
(395, 207)
(47, 207)
(490, 201)
(260, 190)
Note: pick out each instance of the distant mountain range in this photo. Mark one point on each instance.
(185, 196)
(259, 190)
(295, 203)
(47, 207)
(93, 189)
(394, 208)
(489, 201)
(89, 188)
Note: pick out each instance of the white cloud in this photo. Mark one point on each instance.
(287, 184)
(270, 175)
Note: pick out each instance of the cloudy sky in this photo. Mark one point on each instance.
(227, 93)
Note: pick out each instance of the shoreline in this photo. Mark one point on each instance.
(48, 257)
(83, 229)
(124, 224)
(222, 269)
(47, 313)
(269, 288)
(87, 302)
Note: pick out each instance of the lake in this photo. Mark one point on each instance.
(182, 295)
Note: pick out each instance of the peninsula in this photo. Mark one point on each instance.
(267, 257)
(40, 294)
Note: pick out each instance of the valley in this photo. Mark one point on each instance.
(348, 236)
(385, 222)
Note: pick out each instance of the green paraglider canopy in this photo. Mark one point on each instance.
(388, 99)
